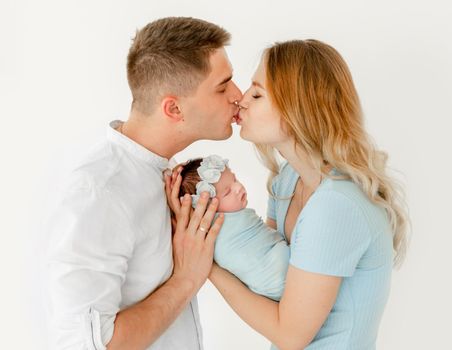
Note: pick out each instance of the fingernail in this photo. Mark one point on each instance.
(204, 195)
(214, 200)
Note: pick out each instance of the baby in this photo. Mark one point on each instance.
(257, 254)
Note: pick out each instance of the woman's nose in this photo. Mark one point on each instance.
(243, 103)
(237, 103)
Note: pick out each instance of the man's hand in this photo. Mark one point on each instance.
(172, 187)
(194, 240)
(172, 192)
(194, 236)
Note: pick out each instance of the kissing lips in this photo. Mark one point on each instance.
(237, 118)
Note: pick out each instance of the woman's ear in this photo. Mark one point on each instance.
(171, 108)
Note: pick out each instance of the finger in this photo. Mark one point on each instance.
(215, 230)
(172, 178)
(175, 173)
(174, 204)
(173, 225)
(184, 214)
(198, 213)
(206, 221)
(174, 196)
(179, 168)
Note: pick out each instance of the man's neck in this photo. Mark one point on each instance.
(154, 134)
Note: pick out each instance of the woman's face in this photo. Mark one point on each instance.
(259, 120)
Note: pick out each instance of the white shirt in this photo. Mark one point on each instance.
(111, 247)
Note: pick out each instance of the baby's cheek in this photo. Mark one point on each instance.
(221, 205)
(225, 205)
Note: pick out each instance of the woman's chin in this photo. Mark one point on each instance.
(243, 134)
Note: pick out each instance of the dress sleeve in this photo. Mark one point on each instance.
(331, 235)
(87, 260)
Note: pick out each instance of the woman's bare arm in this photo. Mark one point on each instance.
(292, 323)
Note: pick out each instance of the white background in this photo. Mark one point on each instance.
(62, 79)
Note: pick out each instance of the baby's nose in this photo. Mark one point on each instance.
(238, 188)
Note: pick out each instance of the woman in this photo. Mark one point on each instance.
(331, 199)
(344, 219)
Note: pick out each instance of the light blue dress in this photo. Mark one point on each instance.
(254, 252)
(340, 232)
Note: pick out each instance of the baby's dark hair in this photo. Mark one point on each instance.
(190, 177)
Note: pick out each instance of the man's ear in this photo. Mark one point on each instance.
(171, 108)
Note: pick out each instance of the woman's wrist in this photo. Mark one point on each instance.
(213, 271)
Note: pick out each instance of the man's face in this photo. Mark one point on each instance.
(210, 111)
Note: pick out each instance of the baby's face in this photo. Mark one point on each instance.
(230, 193)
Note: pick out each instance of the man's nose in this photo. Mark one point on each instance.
(236, 94)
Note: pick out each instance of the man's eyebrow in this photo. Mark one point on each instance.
(225, 80)
(255, 83)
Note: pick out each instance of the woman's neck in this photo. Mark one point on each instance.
(300, 162)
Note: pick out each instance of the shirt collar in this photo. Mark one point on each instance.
(134, 148)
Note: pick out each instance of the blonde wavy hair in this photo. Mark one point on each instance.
(311, 86)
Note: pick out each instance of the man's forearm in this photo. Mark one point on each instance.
(138, 326)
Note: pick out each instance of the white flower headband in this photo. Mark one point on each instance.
(209, 171)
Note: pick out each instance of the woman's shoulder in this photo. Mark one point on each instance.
(345, 196)
(343, 190)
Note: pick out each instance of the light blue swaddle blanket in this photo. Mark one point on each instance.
(257, 254)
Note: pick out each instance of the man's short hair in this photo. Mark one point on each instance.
(171, 55)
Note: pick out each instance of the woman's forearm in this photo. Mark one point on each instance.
(260, 313)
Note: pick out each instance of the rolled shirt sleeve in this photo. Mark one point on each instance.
(87, 263)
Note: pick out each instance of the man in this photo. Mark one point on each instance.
(113, 281)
